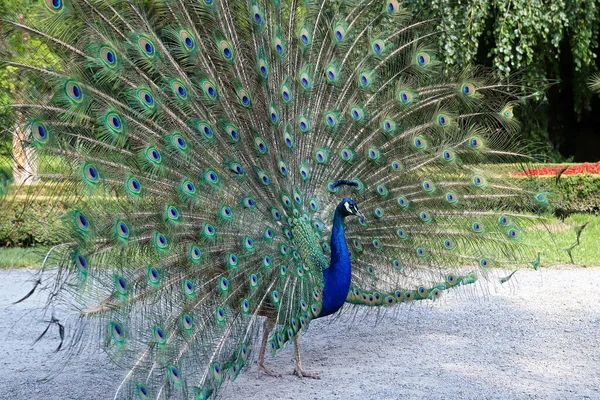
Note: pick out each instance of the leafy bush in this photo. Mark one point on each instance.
(37, 224)
(579, 193)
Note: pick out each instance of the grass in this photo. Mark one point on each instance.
(15, 257)
(563, 235)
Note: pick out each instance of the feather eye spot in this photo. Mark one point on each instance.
(121, 285)
(373, 154)
(108, 56)
(161, 240)
(405, 97)
(74, 92)
(451, 198)
(187, 322)
(40, 133)
(428, 186)
(423, 59)
(304, 173)
(541, 198)
(402, 234)
(153, 274)
(81, 262)
(116, 122)
(449, 244)
(123, 230)
(82, 221)
(117, 332)
(172, 213)
(425, 216)
(142, 391)
(189, 187)
(479, 181)
(226, 50)
(179, 142)
(134, 186)
(468, 89)
(195, 253)
(475, 142)
(154, 155)
(403, 202)
(146, 46)
(237, 168)
(91, 173)
(54, 5)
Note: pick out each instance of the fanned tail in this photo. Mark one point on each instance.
(202, 147)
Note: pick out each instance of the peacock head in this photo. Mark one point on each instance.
(349, 207)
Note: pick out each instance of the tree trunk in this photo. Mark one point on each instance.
(24, 162)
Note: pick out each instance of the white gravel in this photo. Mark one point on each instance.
(538, 338)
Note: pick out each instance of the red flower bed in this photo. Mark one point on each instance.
(593, 168)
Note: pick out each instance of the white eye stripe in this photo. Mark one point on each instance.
(347, 205)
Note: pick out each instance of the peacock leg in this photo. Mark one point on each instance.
(261, 358)
(298, 370)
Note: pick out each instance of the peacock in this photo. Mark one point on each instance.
(233, 170)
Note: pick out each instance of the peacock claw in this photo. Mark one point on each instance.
(306, 374)
(268, 371)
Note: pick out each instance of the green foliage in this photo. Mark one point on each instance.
(524, 36)
(579, 193)
(38, 224)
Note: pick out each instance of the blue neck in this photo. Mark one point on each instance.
(337, 277)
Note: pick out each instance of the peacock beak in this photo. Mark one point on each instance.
(359, 214)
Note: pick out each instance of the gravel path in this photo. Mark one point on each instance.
(538, 338)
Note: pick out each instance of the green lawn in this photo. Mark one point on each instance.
(14, 257)
(563, 235)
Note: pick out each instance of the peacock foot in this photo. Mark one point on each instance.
(306, 374)
(263, 368)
